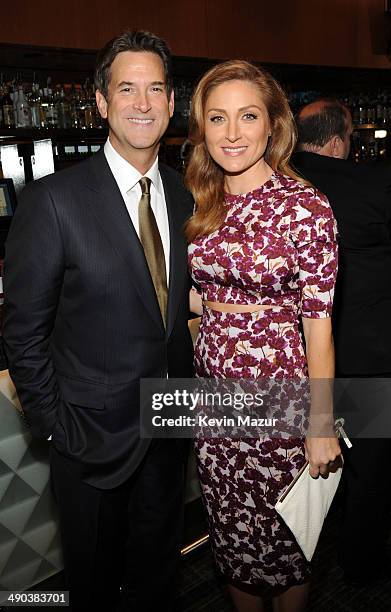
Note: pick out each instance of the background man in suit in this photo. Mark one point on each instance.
(89, 257)
(360, 198)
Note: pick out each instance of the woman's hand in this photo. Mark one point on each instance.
(195, 302)
(321, 453)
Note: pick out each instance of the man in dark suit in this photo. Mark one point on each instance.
(96, 288)
(360, 199)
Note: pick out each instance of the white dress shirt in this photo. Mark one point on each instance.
(127, 179)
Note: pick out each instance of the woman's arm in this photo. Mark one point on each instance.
(195, 302)
(321, 443)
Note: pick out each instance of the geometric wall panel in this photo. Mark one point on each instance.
(18, 491)
(5, 480)
(6, 535)
(36, 475)
(39, 538)
(16, 516)
(23, 552)
(23, 573)
(45, 570)
(7, 548)
(30, 546)
(13, 447)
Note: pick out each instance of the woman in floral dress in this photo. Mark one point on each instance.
(263, 252)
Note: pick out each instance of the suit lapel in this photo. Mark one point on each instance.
(178, 261)
(110, 210)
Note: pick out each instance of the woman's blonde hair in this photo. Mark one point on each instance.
(204, 178)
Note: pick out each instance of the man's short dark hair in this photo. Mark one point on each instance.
(138, 40)
(317, 129)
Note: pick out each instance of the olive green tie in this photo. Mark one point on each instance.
(152, 245)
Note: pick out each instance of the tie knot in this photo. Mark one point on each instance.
(145, 184)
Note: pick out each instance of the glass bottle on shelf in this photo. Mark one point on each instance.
(63, 109)
(362, 110)
(51, 109)
(384, 113)
(56, 101)
(23, 114)
(371, 109)
(44, 107)
(88, 117)
(35, 106)
(1, 103)
(372, 148)
(379, 109)
(355, 110)
(14, 96)
(8, 109)
(96, 118)
(74, 106)
(81, 105)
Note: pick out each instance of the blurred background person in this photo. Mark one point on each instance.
(360, 198)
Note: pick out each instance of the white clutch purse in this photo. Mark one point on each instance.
(305, 503)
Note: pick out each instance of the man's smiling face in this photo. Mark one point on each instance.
(137, 108)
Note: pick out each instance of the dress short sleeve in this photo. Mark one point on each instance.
(314, 233)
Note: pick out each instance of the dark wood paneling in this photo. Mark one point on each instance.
(318, 32)
(323, 32)
(88, 25)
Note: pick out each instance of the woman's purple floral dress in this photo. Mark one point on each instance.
(277, 246)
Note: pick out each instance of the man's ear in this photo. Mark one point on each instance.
(101, 104)
(336, 147)
(171, 103)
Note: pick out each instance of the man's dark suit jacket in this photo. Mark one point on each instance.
(82, 322)
(361, 201)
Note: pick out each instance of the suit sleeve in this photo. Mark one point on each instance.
(33, 276)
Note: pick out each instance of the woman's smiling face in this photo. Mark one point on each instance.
(237, 127)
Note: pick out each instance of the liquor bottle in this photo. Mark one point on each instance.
(56, 102)
(35, 106)
(14, 96)
(23, 114)
(74, 107)
(96, 118)
(372, 149)
(362, 109)
(51, 110)
(63, 110)
(355, 111)
(371, 109)
(81, 105)
(1, 104)
(379, 109)
(44, 106)
(384, 108)
(8, 109)
(88, 117)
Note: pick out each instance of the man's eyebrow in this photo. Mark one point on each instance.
(131, 83)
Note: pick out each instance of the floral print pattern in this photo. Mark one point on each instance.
(276, 247)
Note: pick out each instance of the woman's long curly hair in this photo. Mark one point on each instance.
(204, 178)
